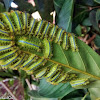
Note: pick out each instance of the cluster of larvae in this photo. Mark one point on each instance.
(23, 39)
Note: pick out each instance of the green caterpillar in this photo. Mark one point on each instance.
(79, 82)
(23, 38)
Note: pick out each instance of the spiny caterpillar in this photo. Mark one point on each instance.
(26, 43)
(79, 82)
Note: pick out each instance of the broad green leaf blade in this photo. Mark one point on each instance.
(7, 4)
(65, 15)
(94, 20)
(81, 62)
(86, 22)
(80, 13)
(52, 91)
(58, 5)
(97, 41)
(78, 30)
(79, 93)
(98, 1)
(48, 90)
(36, 96)
(94, 93)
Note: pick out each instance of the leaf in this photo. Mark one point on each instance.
(80, 13)
(2, 7)
(52, 91)
(65, 15)
(98, 1)
(94, 19)
(75, 94)
(94, 93)
(86, 22)
(86, 2)
(7, 4)
(97, 41)
(78, 30)
(58, 5)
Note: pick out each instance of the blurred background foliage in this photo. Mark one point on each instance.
(81, 17)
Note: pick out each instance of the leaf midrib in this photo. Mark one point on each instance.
(83, 72)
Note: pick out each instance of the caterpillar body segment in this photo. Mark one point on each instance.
(79, 82)
(32, 25)
(24, 42)
(47, 48)
(25, 18)
(30, 60)
(5, 40)
(38, 28)
(9, 61)
(4, 32)
(61, 77)
(53, 32)
(41, 73)
(65, 43)
(69, 77)
(17, 20)
(52, 70)
(2, 25)
(54, 77)
(72, 41)
(18, 62)
(8, 54)
(45, 30)
(5, 48)
(7, 20)
(36, 65)
(58, 38)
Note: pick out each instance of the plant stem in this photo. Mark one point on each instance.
(8, 90)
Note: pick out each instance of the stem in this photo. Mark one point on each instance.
(8, 90)
(28, 83)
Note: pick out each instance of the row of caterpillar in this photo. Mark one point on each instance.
(15, 27)
(20, 23)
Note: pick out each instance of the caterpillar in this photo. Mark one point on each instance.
(2, 25)
(79, 82)
(15, 16)
(5, 17)
(26, 43)
(72, 42)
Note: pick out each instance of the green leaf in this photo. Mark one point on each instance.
(97, 41)
(78, 30)
(58, 5)
(52, 91)
(75, 94)
(2, 9)
(65, 15)
(94, 93)
(98, 1)
(80, 13)
(82, 61)
(7, 4)
(86, 22)
(93, 16)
